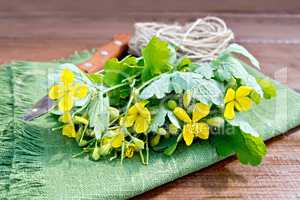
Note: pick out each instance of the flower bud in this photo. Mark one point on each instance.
(172, 129)
(187, 97)
(139, 144)
(113, 113)
(96, 153)
(155, 140)
(172, 104)
(161, 131)
(231, 83)
(216, 121)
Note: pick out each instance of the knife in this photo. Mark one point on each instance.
(116, 48)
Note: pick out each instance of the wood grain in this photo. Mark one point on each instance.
(54, 29)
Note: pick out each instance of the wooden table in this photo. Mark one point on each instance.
(54, 29)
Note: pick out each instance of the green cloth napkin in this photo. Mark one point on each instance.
(36, 163)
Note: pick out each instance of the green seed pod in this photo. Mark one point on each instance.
(96, 154)
(161, 131)
(172, 129)
(113, 113)
(172, 104)
(187, 97)
(80, 120)
(155, 140)
(216, 122)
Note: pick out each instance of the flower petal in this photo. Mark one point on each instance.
(118, 139)
(243, 91)
(80, 90)
(201, 130)
(200, 111)
(188, 134)
(145, 113)
(67, 76)
(69, 130)
(181, 114)
(141, 125)
(230, 95)
(229, 110)
(66, 117)
(129, 120)
(65, 104)
(244, 103)
(56, 92)
(137, 107)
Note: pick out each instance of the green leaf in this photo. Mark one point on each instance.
(240, 122)
(96, 78)
(206, 91)
(156, 58)
(203, 90)
(171, 149)
(115, 71)
(268, 88)
(159, 118)
(236, 48)
(206, 70)
(158, 88)
(99, 114)
(183, 62)
(173, 119)
(165, 143)
(248, 148)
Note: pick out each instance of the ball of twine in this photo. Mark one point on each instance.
(201, 40)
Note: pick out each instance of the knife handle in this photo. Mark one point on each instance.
(113, 49)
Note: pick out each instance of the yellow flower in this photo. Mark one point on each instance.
(194, 128)
(129, 150)
(67, 90)
(238, 100)
(69, 128)
(117, 139)
(139, 117)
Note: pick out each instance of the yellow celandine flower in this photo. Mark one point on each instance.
(67, 91)
(117, 139)
(139, 117)
(69, 128)
(194, 128)
(238, 100)
(129, 150)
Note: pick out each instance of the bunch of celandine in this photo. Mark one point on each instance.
(157, 100)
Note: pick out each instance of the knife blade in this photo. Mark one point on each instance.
(113, 49)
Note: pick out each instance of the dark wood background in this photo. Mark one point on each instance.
(42, 30)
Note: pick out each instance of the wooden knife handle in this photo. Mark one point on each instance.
(114, 49)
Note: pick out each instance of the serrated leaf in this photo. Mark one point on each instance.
(156, 58)
(236, 48)
(116, 71)
(205, 69)
(158, 88)
(159, 118)
(240, 122)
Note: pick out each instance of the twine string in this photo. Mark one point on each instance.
(201, 40)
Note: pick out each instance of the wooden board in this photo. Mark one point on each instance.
(35, 31)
